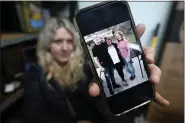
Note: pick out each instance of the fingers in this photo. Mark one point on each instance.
(149, 54)
(160, 100)
(94, 90)
(140, 28)
(155, 73)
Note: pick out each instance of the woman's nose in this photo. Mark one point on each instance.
(64, 46)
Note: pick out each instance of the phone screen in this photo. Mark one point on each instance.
(117, 58)
(110, 38)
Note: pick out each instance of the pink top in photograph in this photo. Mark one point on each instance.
(124, 49)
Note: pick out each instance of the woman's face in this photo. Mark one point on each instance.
(62, 46)
(118, 37)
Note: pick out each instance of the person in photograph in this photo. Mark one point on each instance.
(105, 63)
(116, 58)
(125, 53)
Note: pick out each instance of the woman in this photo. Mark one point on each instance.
(57, 87)
(125, 53)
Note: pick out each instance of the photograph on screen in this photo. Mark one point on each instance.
(117, 58)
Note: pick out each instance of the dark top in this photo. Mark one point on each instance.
(101, 52)
(48, 102)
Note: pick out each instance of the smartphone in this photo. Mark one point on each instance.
(109, 40)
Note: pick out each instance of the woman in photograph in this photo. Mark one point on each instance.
(57, 88)
(125, 53)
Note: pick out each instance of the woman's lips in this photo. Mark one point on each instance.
(65, 54)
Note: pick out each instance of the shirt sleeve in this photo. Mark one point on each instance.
(94, 52)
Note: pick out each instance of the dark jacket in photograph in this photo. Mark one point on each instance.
(101, 52)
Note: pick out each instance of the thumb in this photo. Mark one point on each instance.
(94, 90)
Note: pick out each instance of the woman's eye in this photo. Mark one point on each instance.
(58, 41)
(69, 41)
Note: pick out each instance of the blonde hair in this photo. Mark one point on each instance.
(72, 72)
(120, 33)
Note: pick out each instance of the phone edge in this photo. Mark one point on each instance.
(142, 104)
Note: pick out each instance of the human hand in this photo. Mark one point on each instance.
(155, 72)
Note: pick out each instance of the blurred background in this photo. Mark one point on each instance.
(21, 22)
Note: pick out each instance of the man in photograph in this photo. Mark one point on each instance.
(104, 62)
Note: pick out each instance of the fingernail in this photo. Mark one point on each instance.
(168, 103)
(150, 57)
